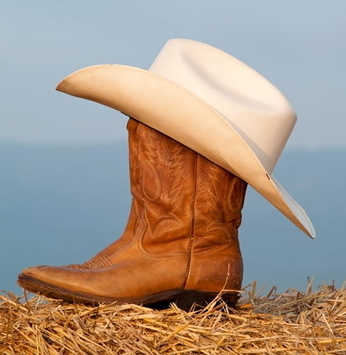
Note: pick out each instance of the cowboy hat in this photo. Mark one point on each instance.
(209, 101)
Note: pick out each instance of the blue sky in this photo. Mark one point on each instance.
(298, 45)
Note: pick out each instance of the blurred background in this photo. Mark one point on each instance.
(64, 190)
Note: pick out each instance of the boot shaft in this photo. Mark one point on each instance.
(219, 200)
(180, 194)
(162, 187)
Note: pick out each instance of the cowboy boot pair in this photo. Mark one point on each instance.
(181, 240)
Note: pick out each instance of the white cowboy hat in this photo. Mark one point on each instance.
(209, 101)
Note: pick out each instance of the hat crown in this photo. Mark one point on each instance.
(249, 102)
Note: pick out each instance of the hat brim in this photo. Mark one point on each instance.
(176, 112)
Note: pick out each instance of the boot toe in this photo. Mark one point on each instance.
(47, 280)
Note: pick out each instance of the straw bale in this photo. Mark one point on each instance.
(293, 322)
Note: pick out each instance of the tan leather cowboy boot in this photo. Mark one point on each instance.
(181, 241)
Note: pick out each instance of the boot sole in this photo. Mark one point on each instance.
(184, 299)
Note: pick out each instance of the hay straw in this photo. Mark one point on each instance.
(289, 323)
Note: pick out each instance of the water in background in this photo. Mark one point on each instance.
(62, 204)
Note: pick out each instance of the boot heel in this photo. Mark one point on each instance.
(188, 299)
